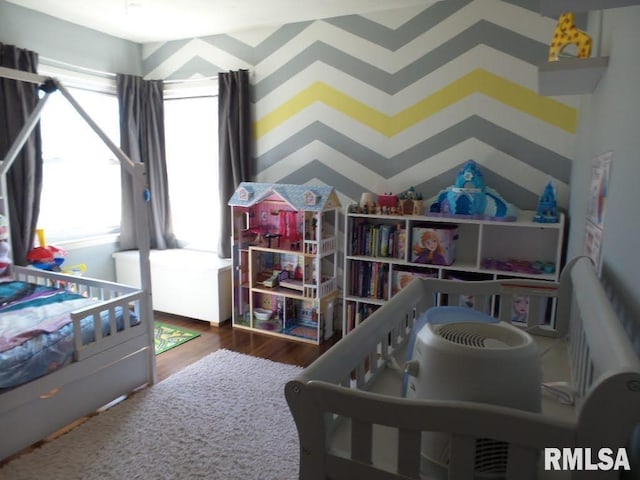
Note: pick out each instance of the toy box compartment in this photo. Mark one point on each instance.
(434, 244)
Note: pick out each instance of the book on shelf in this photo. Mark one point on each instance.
(369, 279)
(377, 240)
(358, 313)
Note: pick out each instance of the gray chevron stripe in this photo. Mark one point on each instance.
(317, 169)
(231, 45)
(533, 5)
(327, 135)
(531, 153)
(266, 48)
(162, 53)
(510, 191)
(197, 65)
(501, 139)
(482, 32)
(393, 39)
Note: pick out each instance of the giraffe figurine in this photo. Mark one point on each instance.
(566, 33)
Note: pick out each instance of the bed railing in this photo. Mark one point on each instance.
(334, 394)
(113, 301)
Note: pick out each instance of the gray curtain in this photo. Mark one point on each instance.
(24, 179)
(142, 139)
(234, 137)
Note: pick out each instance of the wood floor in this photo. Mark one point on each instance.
(242, 341)
(210, 340)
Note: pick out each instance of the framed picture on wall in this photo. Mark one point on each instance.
(600, 173)
(596, 207)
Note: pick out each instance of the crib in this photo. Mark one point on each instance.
(353, 422)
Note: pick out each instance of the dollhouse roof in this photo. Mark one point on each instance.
(299, 197)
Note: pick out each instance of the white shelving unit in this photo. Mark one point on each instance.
(483, 248)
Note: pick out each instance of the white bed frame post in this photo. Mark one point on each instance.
(137, 170)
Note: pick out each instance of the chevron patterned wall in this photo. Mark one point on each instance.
(395, 99)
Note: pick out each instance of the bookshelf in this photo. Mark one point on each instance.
(284, 265)
(380, 259)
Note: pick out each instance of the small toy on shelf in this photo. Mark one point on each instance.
(520, 266)
(5, 258)
(46, 257)
(470, 197)
(388, 202)
(547, 211)
(566, 33)
(368, 202)
(5, 261)
(410, 202)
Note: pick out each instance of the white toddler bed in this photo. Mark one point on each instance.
(101, 370)
(354, 423)
(107, 365)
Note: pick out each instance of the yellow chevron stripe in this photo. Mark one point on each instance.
(478, 81)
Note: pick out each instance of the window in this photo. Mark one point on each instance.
(81, 177)
(191, 138)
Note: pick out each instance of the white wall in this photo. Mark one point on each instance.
(66, 42)
(610, 120)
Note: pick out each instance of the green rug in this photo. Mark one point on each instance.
(168, 336)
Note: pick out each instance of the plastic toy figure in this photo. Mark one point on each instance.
(547, 211)
(470, 196)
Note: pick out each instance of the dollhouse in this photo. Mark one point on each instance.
(284, 259)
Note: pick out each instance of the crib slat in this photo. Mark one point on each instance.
(409, 453)
(361, 440)
(521, 463)
(462, 458)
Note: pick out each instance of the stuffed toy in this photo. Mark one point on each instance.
(5, 260)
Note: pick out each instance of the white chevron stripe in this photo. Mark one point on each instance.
(508, 118)
(518, 19)
(255, 36)
(492, 60)
(149, 48)
(510, 168)
(397, 17)
(328, 156)
(515, 121)
(196, 47)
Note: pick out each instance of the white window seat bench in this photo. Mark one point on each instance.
(190, 283)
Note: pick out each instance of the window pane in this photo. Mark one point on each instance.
(191, 137)
(81, 177)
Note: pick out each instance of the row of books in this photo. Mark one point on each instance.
(378, 240)
(368, 279)
(357, 313)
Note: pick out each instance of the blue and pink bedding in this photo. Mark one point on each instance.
(36, 332)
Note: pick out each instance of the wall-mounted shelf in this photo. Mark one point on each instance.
(553, 8)
(571, 76)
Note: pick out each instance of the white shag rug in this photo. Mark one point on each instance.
(223, 417)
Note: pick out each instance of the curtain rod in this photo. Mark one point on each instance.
(50, 62)
(91, 71)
